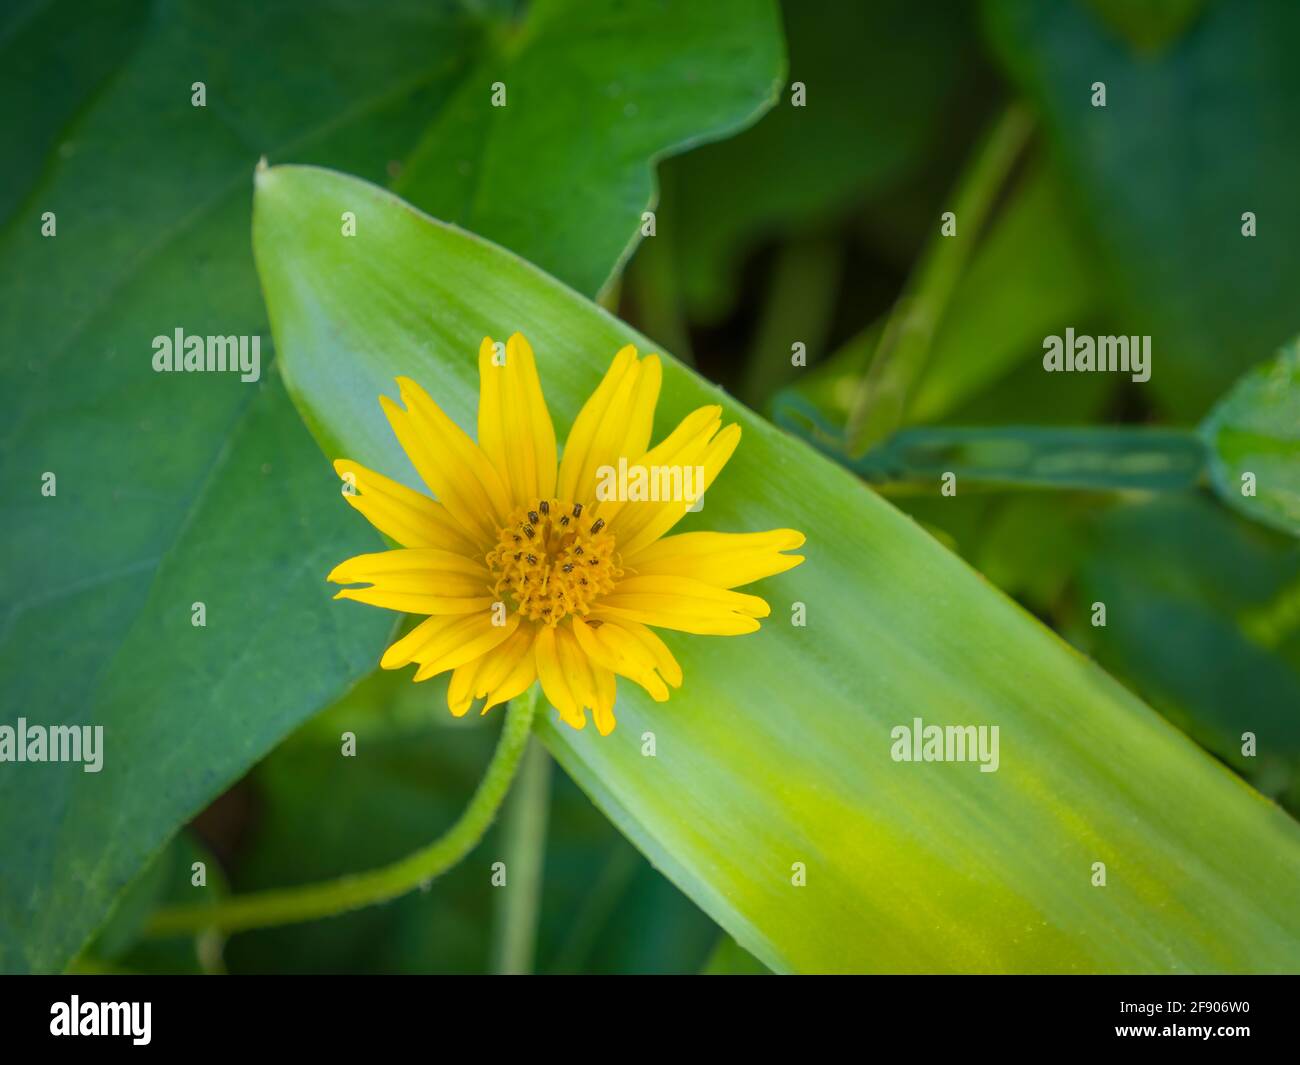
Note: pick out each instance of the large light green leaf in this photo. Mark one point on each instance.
(776, 750)
(179, 488)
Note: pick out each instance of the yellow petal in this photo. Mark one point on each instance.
(555, 684)
(691, 593)
(413, 569)
(684, 447)
(724, 560)
(402, 652)
(659, 518)
(614, 423)
(514, 426)
(684, 604)
(417, 602)
(513, 668)
(659, 653)
(611, 647)
(576, 666)
(460, 689)
(471, 637)
(496, 676)
(412, 519)
(444, 640)
(661, 615)
(449, 462)
(606, 691)
(576, 682)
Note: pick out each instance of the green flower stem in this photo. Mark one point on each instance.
(904, 347)
(1089, 458)
(1098, 458)
(524, 827)
(800, 306)
(312, 901)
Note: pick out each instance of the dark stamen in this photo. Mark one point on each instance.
(532, 516)
(567, 567)
(532, 560)
(544, 507)
(528, 531)
(599, 524)
(577, 550)
(564, 520)
(577, 510)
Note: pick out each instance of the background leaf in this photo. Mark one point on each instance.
(1190, 139)
(595, 93)
(877, 78)
(1255, 429)
(776, 750)
(1032, 274)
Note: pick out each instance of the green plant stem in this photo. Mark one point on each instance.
(518, 903)
(799, 306)
(653, 281)
(904, 347)
(1111, 459)
(1087, 457)
(611, 885)
(330, 897)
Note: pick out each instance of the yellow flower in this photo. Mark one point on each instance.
(526, 570)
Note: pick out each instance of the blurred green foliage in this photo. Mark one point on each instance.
(805, 227)
(1254, 438)
(1191, 139)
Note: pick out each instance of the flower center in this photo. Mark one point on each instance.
(553, 561)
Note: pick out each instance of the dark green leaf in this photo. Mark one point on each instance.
(1189, 141)
(877, 76)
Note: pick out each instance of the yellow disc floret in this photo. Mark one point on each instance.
(551, 561)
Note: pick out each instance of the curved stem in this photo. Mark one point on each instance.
(330, 897)
(524, 843)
